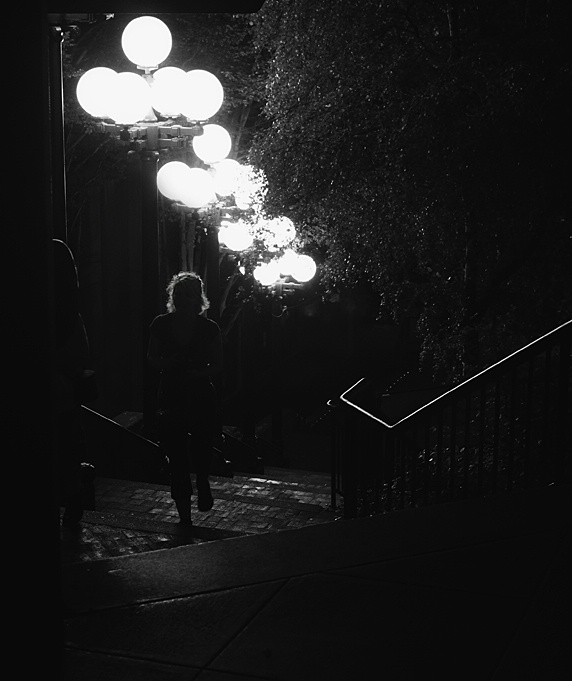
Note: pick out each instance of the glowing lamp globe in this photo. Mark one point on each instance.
(284, 230)
(304, 269)
(213, 145)
(236, 237)
(94, 89)
(202, 95)
(166, 90)
(222, 232)
(200, 189)
(267, 273)
(242, 200)
(173, 179)
(146, 41)
(225, 174)
(129, 98)
(288, 262)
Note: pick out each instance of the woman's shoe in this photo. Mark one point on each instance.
(185, 528)
(184, 511)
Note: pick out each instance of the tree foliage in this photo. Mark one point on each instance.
(421, 147)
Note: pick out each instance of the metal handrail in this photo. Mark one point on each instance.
(464, 440)
(467, 386)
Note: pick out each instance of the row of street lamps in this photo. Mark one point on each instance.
(139, 110)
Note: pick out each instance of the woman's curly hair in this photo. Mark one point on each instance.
(195, 285)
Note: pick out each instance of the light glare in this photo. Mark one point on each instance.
(267, 273)
(278, 233)
(235, 236)
(225, 174)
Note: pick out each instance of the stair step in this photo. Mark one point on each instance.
(134, 517)
(263, 501)
(285, 494)
(107, 535)
(137, 522)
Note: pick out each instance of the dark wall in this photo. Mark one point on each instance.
(112, 294)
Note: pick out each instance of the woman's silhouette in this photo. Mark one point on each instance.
(186, 348)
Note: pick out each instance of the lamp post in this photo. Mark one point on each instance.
(161, 108)
(281, 270)
(57, 155)
(268, 250)
(166, 108)
(282, 275)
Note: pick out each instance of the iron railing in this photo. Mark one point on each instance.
(506, 428)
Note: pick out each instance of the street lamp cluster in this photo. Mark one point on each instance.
(137, 108)
(277, 236)
(135, 104)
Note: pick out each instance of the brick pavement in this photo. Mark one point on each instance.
(132, 517)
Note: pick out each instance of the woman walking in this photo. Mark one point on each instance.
(186, 348)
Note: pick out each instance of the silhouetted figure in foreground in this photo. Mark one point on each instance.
(71, 361)
(186, 348)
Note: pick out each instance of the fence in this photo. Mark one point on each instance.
(505, 428)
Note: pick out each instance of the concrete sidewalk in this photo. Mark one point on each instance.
(470, 590)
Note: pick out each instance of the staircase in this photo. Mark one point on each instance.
(128, 517)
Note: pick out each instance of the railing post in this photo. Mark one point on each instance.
(512, 397)
(467, 447)
(426, 460)
(496, 436)
(334, 417)
(561, 440)
(528, 422)
(349, 465)
(453, 452)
